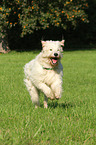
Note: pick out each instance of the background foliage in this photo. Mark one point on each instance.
(22, 18)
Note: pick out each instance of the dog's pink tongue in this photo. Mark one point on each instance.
(54, 60)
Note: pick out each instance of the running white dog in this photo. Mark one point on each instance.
(44, 73)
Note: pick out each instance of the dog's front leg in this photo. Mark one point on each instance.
(57, 89)
(46, 90)
(45, 102)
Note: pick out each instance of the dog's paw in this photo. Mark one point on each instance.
(57, 97)
(45, 105)
(52, 98)
(36, 106)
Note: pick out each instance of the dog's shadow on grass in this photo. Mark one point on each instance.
(59, 105)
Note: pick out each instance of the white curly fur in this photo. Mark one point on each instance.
(44, 73)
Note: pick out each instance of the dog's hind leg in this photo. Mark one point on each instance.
(45, 102)
(34, 96)
(33, 91)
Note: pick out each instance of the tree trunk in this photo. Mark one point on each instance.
(4, 46)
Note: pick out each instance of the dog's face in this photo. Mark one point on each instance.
(53, 51)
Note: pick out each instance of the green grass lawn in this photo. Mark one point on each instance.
(69, 121)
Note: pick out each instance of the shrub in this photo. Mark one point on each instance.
(42, 14)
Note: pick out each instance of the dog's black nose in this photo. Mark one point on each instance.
(55, 54)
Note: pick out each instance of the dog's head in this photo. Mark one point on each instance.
(53, 51)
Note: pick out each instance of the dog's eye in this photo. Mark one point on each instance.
(50, 49)
(58, 50)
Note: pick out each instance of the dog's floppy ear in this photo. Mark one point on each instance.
(62, 42)
(43, 43)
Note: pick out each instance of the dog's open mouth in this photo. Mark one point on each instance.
(54, 60)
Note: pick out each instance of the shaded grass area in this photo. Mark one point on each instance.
(71, 120)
